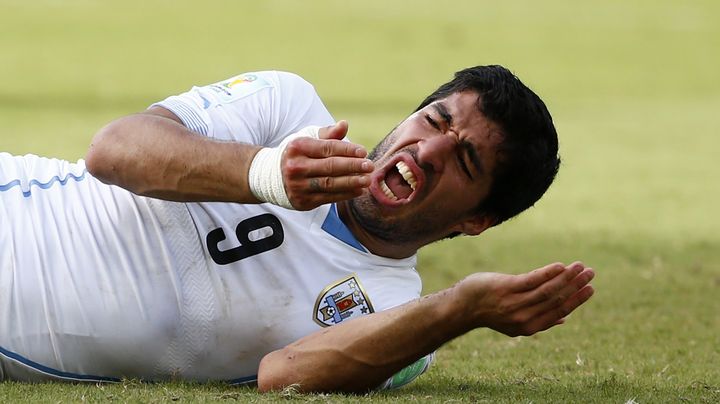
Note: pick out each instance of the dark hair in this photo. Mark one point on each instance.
(528, 154)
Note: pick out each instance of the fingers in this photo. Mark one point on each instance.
(337, 184)
(557, 315)
(331, 166)
(336, 131)
(316, 172)
(556, 293)
(534, 279)
(556, 288)
(562, 299)
(333, 174)
(308, 158)
(322, 148)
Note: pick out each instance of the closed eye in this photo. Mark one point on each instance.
(469, 151)
(461, 160)
(432, 122)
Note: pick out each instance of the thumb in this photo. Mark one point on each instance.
(336, 131)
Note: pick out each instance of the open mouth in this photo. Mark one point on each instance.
(398, 184)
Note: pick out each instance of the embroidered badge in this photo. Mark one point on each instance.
(341, 301)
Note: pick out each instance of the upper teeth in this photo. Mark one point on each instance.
(406, 174)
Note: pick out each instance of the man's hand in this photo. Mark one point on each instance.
(320, 171)
(528, 303)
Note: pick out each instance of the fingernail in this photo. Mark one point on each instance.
(364, 180)
(360, 152)
(366, 165)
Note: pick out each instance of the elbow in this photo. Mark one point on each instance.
(274, 373)
(103, 157)
(286, 368)
(303, 373)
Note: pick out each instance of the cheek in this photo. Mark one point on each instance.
(384, 146)
(379, 150)
(469, 198)
(405, 133)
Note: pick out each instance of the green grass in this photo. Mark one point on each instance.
(634, 90)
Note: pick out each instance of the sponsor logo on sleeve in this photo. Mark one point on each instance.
(247, 78)
(343, 300)
(238, 87)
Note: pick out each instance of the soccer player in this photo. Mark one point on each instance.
(231, 233)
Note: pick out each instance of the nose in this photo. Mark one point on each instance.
(435, 150)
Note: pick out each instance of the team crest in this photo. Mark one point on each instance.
(342, 301)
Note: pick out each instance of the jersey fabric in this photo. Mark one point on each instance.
(97, 283)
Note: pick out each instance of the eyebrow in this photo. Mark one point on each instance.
(469, 148)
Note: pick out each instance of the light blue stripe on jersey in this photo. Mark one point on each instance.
(88, 378)
(54, 372)
(43, 185)
(336, 228)
(243, 380)
(190, 118)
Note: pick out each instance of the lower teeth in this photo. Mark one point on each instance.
(386, 190)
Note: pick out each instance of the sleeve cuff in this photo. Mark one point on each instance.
(190, 118)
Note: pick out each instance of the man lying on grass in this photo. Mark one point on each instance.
(230, 233)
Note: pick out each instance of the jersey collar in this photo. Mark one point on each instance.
(336, 228)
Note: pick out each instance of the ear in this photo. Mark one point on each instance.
(476, 224)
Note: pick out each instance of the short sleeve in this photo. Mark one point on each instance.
(391, 287)
(260, 108)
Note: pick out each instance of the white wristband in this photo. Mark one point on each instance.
(265, 176)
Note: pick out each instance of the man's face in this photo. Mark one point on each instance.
(432, 171)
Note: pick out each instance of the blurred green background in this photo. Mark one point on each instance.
(634, 90)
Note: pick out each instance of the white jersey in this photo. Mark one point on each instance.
(97, 283)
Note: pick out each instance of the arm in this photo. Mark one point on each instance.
(153, 154)
(359, 355)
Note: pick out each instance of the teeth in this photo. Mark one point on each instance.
(386, 190)
(406, 174)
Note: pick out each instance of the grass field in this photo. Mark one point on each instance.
(635, 92)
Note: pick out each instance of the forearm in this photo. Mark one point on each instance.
(361, 354)
(156, 156)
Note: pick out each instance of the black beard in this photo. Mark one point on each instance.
(366, 211)
(373, 224)
(422, 229)
(360, 208)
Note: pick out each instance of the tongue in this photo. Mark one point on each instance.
(398, 185)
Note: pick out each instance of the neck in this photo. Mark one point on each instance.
(376, 246)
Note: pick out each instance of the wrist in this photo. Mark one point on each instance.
(450, 312)
(265, 177)
(459, 309)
